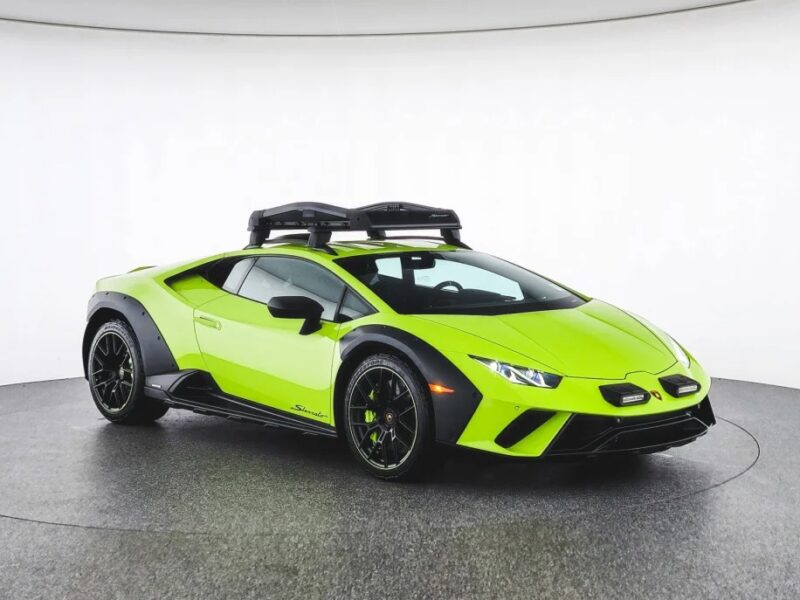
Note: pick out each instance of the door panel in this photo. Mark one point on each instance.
(255, 356)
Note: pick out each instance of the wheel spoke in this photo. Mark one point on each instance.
(369, 381)
(384, 449)
(402, 394)
(372, 451)
(400, 440)
(406, 411)
(104, 382)
(406, 427)
(395, 455)
(365, 395)
(108, 393)
(368, 433)
(112, 375)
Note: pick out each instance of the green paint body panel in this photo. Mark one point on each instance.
(263, 359)
(256, 356)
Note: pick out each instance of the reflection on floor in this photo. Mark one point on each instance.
(203, 506)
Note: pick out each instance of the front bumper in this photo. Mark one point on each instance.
(575, 420)
(590, 435)
(542, 433)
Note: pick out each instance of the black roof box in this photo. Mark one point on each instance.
(376, 219)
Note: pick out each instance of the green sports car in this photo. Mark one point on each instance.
(393, 344)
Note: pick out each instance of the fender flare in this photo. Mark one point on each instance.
(451, 411)
(156, 355)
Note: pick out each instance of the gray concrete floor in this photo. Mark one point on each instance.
(203, 507)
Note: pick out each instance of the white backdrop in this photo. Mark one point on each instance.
(651, 163)
(328, 17)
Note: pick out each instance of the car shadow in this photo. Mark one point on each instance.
(319, 458)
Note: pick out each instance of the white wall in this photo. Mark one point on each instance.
(324, 17)
(651, 163)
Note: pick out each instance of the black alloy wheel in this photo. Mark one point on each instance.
(387, 417)
(111, 374)
(116, 376)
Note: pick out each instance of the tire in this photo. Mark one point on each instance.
(387, 419)
(116, 376)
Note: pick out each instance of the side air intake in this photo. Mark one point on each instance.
(522, 427)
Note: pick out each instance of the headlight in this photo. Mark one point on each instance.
(520, 375)
(679, 352)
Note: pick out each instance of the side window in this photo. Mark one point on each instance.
(282, 276)
(353, 307)
(236, 275)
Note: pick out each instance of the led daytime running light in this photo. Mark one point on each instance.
(521, 375)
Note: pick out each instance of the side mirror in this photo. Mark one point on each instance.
(297, 307)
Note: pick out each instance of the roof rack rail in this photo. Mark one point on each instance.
(376, 219)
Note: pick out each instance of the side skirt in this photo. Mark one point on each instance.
(197, 391)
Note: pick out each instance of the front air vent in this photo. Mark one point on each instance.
(522, 427)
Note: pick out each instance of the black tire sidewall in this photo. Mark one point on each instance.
(415, 463)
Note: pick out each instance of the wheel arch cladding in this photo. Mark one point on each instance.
(104, 306)
(452, 411)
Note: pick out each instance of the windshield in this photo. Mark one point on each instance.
(456, 283)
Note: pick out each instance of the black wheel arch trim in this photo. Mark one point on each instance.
(156, 355)
(452, 411)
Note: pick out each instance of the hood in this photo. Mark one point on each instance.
(593, 340)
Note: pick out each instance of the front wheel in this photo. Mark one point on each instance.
(116, 376)
(387, 418)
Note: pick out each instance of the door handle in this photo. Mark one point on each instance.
(207, 321)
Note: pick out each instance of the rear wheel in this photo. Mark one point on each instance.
(387, 418)
(116, 376)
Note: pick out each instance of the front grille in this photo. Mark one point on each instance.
(589, 434)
